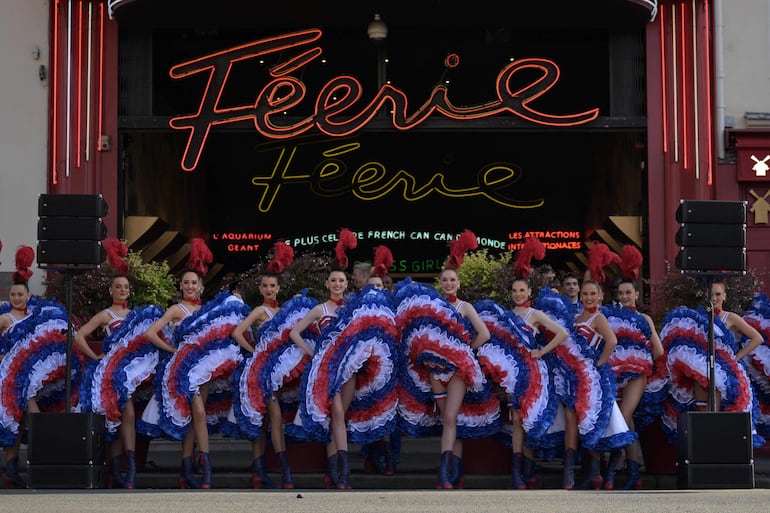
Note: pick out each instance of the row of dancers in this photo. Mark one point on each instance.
(546, 377)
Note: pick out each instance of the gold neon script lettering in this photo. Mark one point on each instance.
(372, 181)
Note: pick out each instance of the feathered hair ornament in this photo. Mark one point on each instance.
(383, 259)
(347, 241)
(464, 242)
(630, 262)
(116, 255)
(200, 256)
(25, 255)
(533, 248)
(283, 254)
(599, 257)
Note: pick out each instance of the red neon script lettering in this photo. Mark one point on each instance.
(337, 110)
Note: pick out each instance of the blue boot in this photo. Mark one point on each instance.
(330, 478)
(568, 479)
(592, 473)
(186, 478)
(259, 477)
(612, 466)
(286, 480)
(634, 479)
(517, 481)
(116, 478)
(130, 469)
(206, 464)
(528, 473)
(444, 471)
(12, 477)
(343, 471)
(456, 472)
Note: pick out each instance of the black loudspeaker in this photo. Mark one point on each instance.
(715, 450)
(70, 252)
(715, 475)
(715, 437)
(66, 439)
(67, 476)
(70, 230)
(712, 237)
(71, 205)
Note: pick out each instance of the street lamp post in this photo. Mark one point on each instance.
(378, 33)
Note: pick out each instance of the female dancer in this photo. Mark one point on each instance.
(269, 288)
(202, 353)
(110, 319)
(632, 361)
(758, 361)
(601, 341)
(554, 334)
(444, 390)
(686, 340)
(348, 391)
(34, 351)
(322, 316)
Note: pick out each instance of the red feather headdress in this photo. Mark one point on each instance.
(383, 259)
(116, 255)
(533, 248)
(347, 241)
(464, 242)
(599, 257)
(200, 256)
(25, 255)
(283, 254)
(630, 262)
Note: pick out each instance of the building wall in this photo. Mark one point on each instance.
(746, 58)
(23, 125)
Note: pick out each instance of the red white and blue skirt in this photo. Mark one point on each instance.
(273, 370)
(685, 336)
(506, 359)
(581, 386)
(129, 364)
(758, 361)
(632, 359)
(205, 354)
(34, 366)
(359, 345)
(436, 340)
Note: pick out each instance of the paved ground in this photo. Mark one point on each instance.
(450, 501)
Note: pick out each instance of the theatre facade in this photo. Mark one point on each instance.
(245, 122)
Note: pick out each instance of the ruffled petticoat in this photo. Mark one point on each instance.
(276, 365)
(506, 359)
(582, 386)
(205, 353)
(436, 340)
(685, 337)
(34, 366)
(360, 345)
(130, 361)
(758, 361)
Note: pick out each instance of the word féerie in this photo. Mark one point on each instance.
(372, 180)
(336, 111)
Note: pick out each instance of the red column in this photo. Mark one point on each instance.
(83, 103)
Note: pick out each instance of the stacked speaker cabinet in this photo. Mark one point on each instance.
(70, 230)
(715, 450)
(711, 237)
(66, 450)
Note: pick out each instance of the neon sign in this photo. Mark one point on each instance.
(372, 180)
(337, 110)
